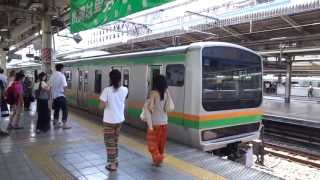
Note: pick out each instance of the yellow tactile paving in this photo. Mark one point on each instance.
(39, 154)
(138, 147)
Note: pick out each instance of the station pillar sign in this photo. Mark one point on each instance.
(87, 14)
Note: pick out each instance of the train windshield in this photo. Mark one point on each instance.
(231, 79)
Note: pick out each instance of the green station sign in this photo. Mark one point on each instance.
(86, 14)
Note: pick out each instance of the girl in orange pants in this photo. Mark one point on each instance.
(158, 106)
(157, 139)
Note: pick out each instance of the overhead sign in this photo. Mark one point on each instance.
(86, 14)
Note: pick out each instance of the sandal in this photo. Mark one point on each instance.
(110, 168)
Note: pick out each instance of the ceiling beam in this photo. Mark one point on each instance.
(6, 8)
(293, 23)
(234, 33)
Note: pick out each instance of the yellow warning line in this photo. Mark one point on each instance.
(40, 155)
(172, 161)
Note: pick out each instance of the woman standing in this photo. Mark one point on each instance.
(157, 134)
(42, 95)
(17, 107)
(113, 101)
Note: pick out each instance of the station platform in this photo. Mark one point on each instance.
(300, 111)
(79, 153)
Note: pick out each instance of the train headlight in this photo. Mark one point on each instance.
(209, 135)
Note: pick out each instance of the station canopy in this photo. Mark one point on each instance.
(276, 28)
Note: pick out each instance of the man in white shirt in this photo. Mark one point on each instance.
(58, 83)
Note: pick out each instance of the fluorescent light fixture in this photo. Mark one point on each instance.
(278, 38)
(4, 30)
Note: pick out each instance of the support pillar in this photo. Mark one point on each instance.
(46, 51)
(288, 80)
(3, 61)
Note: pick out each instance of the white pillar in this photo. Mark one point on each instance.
(46, 51)
(3, 61)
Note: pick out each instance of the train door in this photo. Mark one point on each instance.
(154, 70)
(83, 86)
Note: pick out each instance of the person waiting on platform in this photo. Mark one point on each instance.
(42, 92)
(27, 93)
(113, 101)
(310, 91)
(58, 83)
(159, 104)
(16, 88)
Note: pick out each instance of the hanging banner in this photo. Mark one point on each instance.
(86, 14)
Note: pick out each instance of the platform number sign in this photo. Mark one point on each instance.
(87, 14)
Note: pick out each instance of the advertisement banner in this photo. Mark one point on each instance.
(87, 14)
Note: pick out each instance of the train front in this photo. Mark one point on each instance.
(231, 96)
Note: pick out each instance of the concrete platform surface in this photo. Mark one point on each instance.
(79, 153)
(296, 109)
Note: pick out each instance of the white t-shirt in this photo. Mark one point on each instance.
(115, 100)
(58, 82)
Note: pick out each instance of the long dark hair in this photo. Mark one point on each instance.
(41, 75)
(115, 78)
(19, 76)
(160, 85)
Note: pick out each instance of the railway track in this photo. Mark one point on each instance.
(298, 143)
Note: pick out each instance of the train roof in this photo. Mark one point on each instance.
(170, 50)
(165, 51)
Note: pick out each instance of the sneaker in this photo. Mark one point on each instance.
(65, 126)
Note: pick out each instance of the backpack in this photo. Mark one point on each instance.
(11, 94)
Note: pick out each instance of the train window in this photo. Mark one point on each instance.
(231, 79)
(126, 78)
(175, 74)
(97, 81)
(85, 81)
(68, 78)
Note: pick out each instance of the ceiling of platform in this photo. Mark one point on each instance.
(278, 30)
(21, 19)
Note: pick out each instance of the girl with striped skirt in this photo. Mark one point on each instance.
(158, 106)
(113, 101)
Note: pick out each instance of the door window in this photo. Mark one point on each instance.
(126, 78)
(68, 75)
(85, 81)
(80, 81)
(97, 81)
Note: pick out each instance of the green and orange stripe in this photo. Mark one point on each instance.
(220, 119)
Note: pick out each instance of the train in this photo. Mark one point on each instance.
(216, 88)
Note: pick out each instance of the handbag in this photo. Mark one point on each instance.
(168, 105)
(145, 115)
